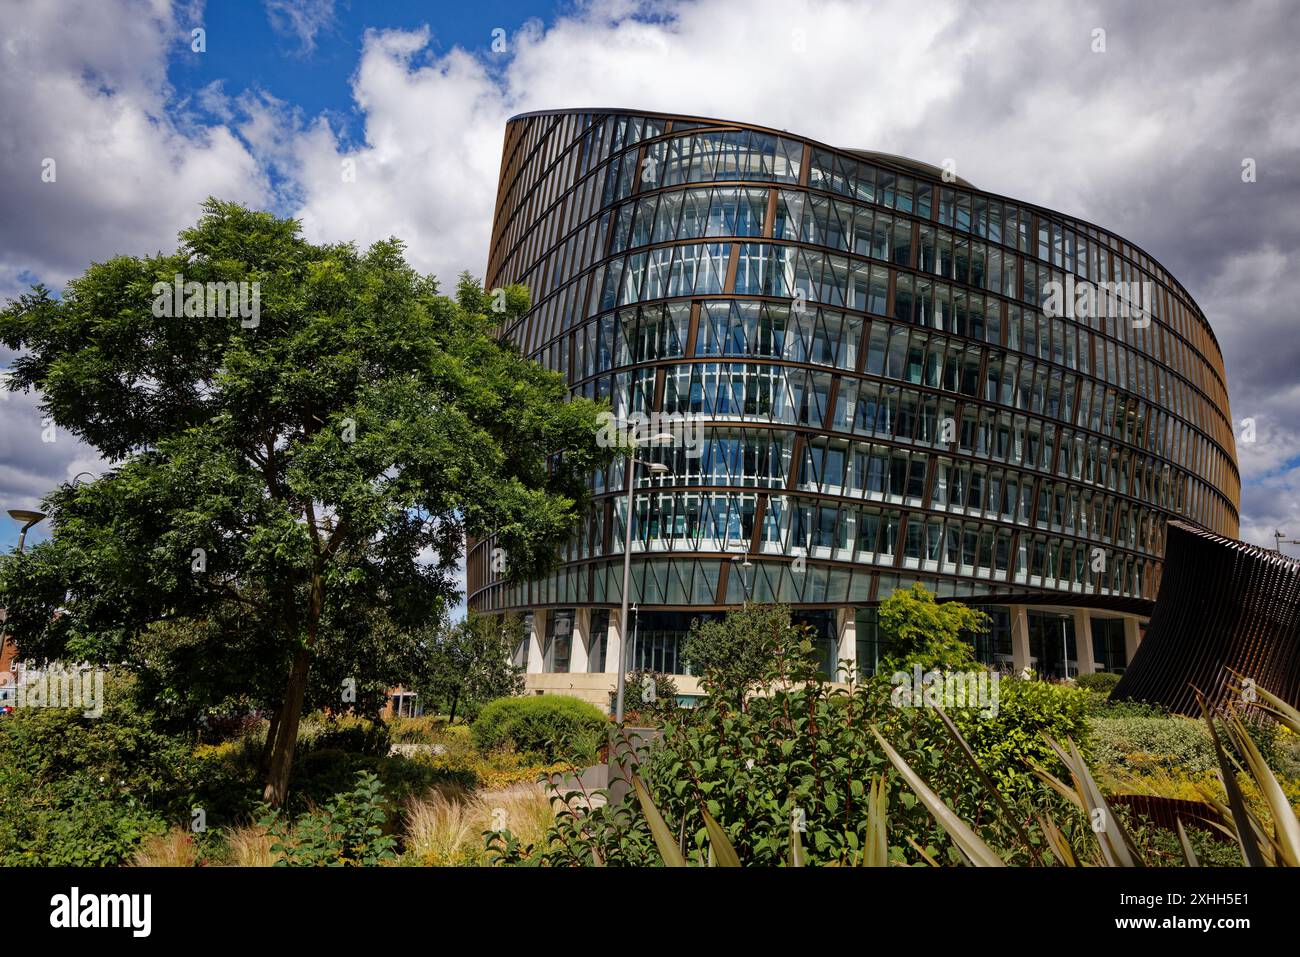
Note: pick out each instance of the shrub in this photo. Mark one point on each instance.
(734, 654)
(428, 729)
(1009, 741)
(647, 697)
(225, 779)
(1102, 682)
(1100, 706)
(80, 791)
(1168, 744)
(347, 733)
(804, 752)
(321, 774)
(549, 727)
(348, 832)
(916, 629)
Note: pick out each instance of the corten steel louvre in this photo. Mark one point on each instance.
(1224, 606)
(823, 312)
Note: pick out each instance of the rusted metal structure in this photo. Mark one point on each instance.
(1224, 606)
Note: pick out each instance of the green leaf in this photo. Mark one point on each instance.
(964, 839)
(663, 837)
(724, 853)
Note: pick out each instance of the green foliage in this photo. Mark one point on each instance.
(800, 755)
(1258, 811)
(1009, 741)
(1171, 743)
(613, 835)
(548, 727)
(1101, 682)
(469, 664)
(733, 655)
(83, 791)
(426, 729)
(347, 832)
(345, 733)
(648, 697)
(916, 629)
(1101, 706)
(274, 486)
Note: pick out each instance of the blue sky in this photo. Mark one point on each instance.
(309, 62)
(1146, 137)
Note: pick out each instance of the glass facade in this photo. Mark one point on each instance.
(880, 384)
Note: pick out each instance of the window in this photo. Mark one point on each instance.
(1051, 638)
(867, 633)
(1108, 644)
(520, 657)
(559, 641)
(406, 704)
(825, 640)
(596, 641)
(657, 640)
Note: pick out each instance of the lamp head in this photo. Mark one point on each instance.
(26, 516)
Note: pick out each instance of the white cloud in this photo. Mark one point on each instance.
(302, 19)
(1145, 139)
(129, 171)
(84, 84)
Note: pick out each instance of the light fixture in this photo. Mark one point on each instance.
(28, 518)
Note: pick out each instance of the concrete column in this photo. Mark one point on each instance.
(535, 642)
(1132, 635)
(847, 628)
(613, 643)
(579, 647)
(1083, 652)
(1019, 637)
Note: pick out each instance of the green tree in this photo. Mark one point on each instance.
(734, 655)
(285, 476)
(917, 630)
(469, 663)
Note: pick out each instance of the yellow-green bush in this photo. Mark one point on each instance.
(549, 728)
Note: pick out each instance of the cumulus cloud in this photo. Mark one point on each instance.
(1135, 117)
(1144, 133)
(97, 158)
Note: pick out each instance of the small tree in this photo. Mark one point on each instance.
(732, 656)
(649, 696)
(917, 630)
(469, 663)
(284, 470)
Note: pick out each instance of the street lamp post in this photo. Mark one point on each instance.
(656, 468)
(28, 518)
(745, 564)
(1065, 653)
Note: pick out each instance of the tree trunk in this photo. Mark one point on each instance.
(277, 779)
(455, 696)
(264, 764)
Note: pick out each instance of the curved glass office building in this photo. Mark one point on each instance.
(874, 374)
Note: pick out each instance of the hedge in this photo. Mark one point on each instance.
(548, 727)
